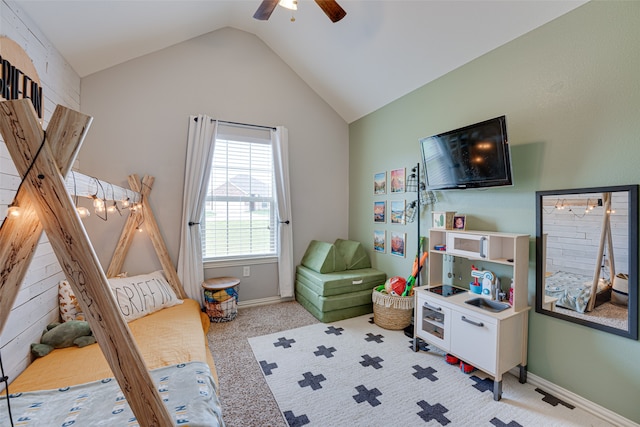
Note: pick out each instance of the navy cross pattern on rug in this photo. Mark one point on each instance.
(333, 330)
(552, 400)
(482, 384)
(284, 342)
(324, 351)
(427, 373)
(267, 367)
(366, 395)
(371, 361)
(377, 338)
(433, 412)
(312, 381)
(498, 423)
(295, 421)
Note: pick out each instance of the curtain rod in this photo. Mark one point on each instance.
(224, 122)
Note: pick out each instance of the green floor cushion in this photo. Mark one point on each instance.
(334, 315)
(353, 253)
(340, 282)
(323, 257)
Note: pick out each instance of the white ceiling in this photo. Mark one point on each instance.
(382, 49)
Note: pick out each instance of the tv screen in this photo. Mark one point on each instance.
(470, 157)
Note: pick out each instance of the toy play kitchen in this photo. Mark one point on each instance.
(477, 325)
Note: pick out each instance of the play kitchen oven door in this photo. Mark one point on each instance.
(434, 322)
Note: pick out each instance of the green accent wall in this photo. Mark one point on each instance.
(571, 93)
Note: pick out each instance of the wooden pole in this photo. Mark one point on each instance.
(145, 216)
(45, 186)
(606, 230)
(66, 132)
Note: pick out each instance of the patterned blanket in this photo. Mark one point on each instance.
(572, 290)
(188, 390)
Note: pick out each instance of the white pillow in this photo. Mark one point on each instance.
(69, 307)
(144, 294)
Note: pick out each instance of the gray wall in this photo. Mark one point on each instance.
(571, 94)
(141, 111)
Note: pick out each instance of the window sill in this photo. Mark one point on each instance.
(236, 262)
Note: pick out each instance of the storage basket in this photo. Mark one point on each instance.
(390, 311)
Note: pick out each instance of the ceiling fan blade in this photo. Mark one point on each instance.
(332, 9)
(265, 9)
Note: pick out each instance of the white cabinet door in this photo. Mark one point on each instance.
(474, 339)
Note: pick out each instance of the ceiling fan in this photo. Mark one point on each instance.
(330, 7)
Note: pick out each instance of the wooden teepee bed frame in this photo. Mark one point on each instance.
(43, 160)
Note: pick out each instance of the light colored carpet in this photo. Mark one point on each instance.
(608, 314)
(354, 373)
(244, 394)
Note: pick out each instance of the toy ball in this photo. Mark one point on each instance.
(395, 285)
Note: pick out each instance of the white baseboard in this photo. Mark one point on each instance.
(578, 401)
(262, 301)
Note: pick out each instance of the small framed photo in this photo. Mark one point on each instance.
(397, 211)
(398, 241)
(459, 222)
(380, 183)
(380, 241)
(443, 220)
(380, 212)
(397, 180)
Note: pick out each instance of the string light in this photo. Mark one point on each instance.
(98, 203)
(83, 212)
(13, 210)
(565, 204)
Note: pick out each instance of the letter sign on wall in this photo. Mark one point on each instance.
(18, 76)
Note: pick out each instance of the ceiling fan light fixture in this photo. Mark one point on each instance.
(289, 4)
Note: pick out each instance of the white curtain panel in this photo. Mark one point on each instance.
(280, 144)
(200, 145)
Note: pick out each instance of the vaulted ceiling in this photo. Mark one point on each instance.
(381, 50)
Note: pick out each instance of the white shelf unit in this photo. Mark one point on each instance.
(494, 342)
(499, 248)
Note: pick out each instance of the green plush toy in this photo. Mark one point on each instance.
(60, 335)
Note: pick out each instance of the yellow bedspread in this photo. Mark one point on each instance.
(169, 336)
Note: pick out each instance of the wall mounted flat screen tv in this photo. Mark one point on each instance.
(474, 156)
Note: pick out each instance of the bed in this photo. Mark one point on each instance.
(138, 370)
(573, 290)
(173, 344)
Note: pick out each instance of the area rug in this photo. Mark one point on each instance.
(354, 373)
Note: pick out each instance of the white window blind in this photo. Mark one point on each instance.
(239, 213)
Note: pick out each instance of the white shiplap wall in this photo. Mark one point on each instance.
(36, 304)
(574, 237)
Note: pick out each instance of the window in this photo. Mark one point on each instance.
(239, 213)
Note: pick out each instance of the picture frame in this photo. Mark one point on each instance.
(443, 220)
(380, 183)
(397, 212)
(398, 243)
(380, 241)
(398, 180)
(459, 222)
(380, 212)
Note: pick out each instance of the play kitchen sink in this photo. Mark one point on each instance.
(487, 304)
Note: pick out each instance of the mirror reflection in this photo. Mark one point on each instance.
(586, 261)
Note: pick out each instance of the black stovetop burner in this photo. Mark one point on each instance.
(446, 290)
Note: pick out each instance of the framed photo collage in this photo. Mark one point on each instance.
(391, 212)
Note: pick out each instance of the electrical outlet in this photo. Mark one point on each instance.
(246, 271)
